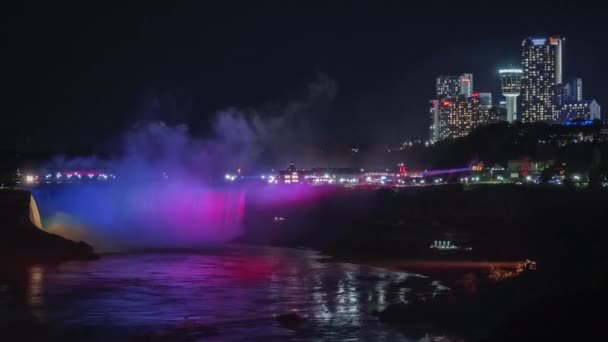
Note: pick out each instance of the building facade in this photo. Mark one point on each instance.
(434, 116)
(485, 100)
(458, 116)
(577, 89)
(456, 110)
(542, 75)
(466, 85)
(497, 114)
(447, 86)
(580, 110)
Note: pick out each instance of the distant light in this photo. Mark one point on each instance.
(510, 71)
(539, 41)
(475, 95)
(29, 179)
(227, 176)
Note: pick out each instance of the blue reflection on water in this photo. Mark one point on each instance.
(232, 294)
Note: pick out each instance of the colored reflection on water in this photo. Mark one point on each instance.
(220, 295)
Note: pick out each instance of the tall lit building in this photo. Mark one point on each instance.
(451, 86)
(458, 116)
(511, 89)
(448, 86)
(573, 90)
(434, 116)
(455, 111)
(485, 100)
(577, 87)
(542, 75)
(466, 85)
(485, 104)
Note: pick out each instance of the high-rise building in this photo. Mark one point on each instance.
(448, 86)
(577, 88)
(497, 114)
(456, 109)
(451, 86)
(485, 104)
(485, 100)
(542, 78)
(458, 116)
(580, 110)
(466, 85)
(434, 126)
(542, 75)
(573, 90)
(511, 89)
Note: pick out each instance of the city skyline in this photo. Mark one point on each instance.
(125, 66)
(547, 97)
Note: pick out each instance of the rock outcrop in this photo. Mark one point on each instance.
(22, 238)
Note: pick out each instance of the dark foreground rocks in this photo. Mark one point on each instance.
(529, 307)
(23, 241)
(28, 244)
(291, 321)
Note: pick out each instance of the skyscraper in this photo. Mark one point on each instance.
(542, 75)
(485, 100)
(456, 110)
(434, 126)
(511, 88)
(573, 90)
(578, 88)
(452, 86)
(448, 86)
(458, 116)
(466, 85)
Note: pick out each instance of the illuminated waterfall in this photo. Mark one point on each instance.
(34, 214)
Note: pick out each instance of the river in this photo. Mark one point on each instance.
(233, 293)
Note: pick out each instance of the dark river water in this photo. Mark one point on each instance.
(228, 294)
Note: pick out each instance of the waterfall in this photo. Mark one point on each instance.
(34, 214)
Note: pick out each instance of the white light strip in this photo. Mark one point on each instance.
(516, 71)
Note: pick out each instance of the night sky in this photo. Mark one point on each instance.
(78, 75)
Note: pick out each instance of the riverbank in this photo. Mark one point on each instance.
(489, 231)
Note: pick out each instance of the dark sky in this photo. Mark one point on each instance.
(78, 74)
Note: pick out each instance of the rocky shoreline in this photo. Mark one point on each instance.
(561, 230)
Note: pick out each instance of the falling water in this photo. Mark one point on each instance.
(114, 217)
(34, 214)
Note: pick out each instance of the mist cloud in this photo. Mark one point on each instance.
(166, 189)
